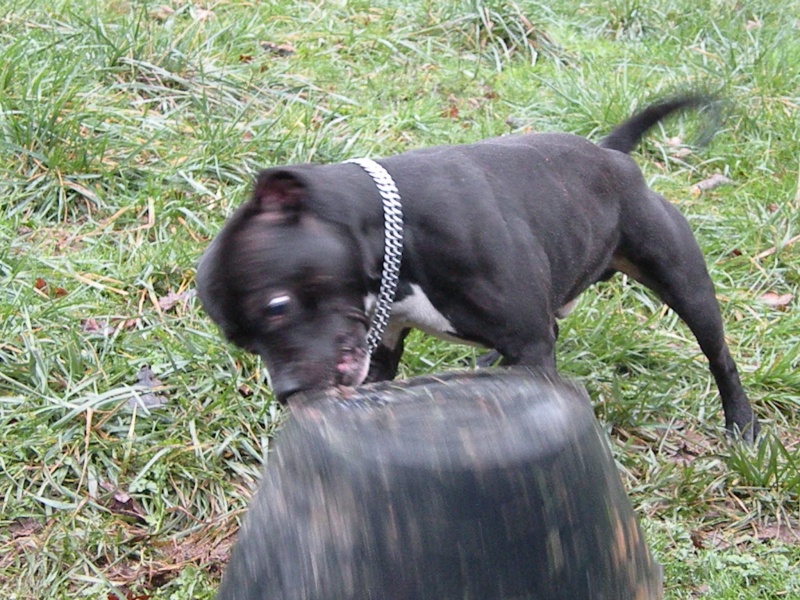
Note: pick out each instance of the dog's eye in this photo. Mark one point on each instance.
(278, 306)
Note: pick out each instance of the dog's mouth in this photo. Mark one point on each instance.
(347, 366)
(353, 364)
(351, 370)
(352, 367)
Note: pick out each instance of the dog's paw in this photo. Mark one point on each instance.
(747, 434)
(490, 359)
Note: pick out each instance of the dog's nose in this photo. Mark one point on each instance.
(281, 379)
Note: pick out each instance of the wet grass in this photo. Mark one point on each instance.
(130, 130)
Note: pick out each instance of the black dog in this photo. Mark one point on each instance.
(500, 237)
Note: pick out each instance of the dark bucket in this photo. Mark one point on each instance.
(489, 485)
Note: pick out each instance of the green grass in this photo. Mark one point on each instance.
(130, 130)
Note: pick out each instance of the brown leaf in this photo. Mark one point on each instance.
(169, 301)
(162, 13)
(202, 14)
(774, 300)
(120, 502)
(92, 325)
(128, 324)
(278, 49)
(698, 539)
(24, 527)
(514, 122)
(682, 152)
(786, 533)
(145, 378)
(52, 292)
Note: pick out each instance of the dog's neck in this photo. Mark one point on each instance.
(392, 250)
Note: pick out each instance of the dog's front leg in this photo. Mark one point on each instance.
(493, 357)
(530, 338)
(386, 358)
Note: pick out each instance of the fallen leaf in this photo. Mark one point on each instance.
(786, 533)
(128, 324)
(162, 13)
(674, 141)
(109, 326)
(146, 379)
(698, 539)
(278, 49)
(92, 325)
(774, 300)
(24, 527)
(682, 152)
(121, 502)
(52, 292)
(514, 122)
(489, 93)
(201, 14)
(169, 301)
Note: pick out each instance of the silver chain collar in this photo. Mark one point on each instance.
(393, 247)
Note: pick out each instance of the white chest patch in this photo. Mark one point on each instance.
(562, 312)
(415, 310)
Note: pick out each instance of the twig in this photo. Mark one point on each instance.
(774, 249)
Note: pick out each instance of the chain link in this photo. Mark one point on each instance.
(393, 248)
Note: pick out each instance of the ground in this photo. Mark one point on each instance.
(133, 434)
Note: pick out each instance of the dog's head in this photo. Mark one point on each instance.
(286, 285)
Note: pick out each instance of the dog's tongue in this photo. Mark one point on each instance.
(353, 367)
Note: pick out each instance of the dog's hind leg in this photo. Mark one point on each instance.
(659, 250)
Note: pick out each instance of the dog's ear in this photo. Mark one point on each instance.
(279, 195)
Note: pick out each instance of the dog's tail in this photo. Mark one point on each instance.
(627, 135)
